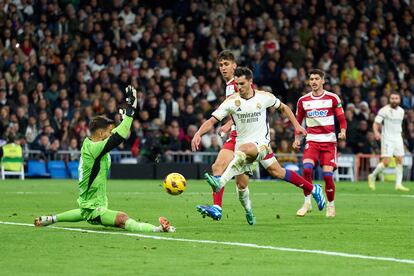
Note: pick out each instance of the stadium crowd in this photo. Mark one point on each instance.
(63, 62)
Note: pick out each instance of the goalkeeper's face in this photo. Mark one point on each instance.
(104, 133)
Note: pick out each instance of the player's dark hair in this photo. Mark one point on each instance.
(316, 72)
(226, 55)
(100, 122)
(243, 71)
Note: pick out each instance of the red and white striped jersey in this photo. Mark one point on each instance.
(231, 88)
(319, 113)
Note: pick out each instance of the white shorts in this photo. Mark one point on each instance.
(269, 160)
(390, 148)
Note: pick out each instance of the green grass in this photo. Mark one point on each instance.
(368, 223)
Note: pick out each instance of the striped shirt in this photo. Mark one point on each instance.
(319, 113)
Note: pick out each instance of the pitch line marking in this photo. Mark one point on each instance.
(249, 245)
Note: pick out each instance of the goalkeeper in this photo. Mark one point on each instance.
(94, 166)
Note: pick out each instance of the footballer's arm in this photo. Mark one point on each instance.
(204, 128)
(286, 111)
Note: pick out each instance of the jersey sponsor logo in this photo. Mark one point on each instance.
(316, 113)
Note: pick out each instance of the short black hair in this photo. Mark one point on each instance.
(100, 122)
(395, 93)
(243, 71)
(226, 55)
(316, 72)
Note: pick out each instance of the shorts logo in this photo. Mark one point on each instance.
(316, 113)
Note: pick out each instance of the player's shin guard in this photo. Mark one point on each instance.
(134, 226)
(329, 186)
(69, 216)
(218, 197)
(297, 180)
(244, 197)
(307, 174)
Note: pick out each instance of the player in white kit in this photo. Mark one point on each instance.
(388, 128)
(248, 110)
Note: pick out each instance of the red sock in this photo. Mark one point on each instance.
(329, 186)
(298, 181)
(218, 197)
(307, 174)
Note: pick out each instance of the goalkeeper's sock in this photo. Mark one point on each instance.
(69, 216)
(134, 226)
(378, 169)
(244, 197)
(399, 174)
(218, 197)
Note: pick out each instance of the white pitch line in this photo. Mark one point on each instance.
(249, 245)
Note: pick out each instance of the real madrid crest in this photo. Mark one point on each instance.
(237, 102)
(258, 106)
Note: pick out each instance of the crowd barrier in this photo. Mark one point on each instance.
(351, 167)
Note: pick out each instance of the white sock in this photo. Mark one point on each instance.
(378, 169)
(399, 174)
(331, 203)
(308, 199)
(244, 197)
(230, 172)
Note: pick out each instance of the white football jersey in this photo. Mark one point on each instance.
(249, 116)
(392, 120)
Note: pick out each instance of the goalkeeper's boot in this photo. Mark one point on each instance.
(330, 211)
(212, 211)
(165, 225)
(251, 219)
(214, 182)
(306, 208)
(43, 221)
(319, 196)
(401, 188)
(371, 182)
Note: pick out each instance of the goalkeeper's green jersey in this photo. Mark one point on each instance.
(94, 165)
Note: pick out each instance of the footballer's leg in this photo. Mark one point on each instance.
(310, 156)
(292, 177)
(399, 175)
(378, 169)
(223, 159)
(242, 182)
(327, 172)
(122, 220)
(68, 216)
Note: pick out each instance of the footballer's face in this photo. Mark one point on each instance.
(227, 68)
(316, 82)
(105, 132)
(395, 100)
(243, 86)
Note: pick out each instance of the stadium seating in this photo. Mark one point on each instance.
(345, 168)
(5, 172)
(36, 169)
(73, 169)
(57, 169)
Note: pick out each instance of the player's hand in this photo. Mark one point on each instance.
(342, 135)
(224, 129)
(300, 130)
(131, 96)
(296, 144)
(195, 142)
(377, 136)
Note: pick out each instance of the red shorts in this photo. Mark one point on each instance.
(325, 153)
(230, 143)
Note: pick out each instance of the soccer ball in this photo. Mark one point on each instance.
(175, 184)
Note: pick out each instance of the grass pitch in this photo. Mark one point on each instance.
(376, 224)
